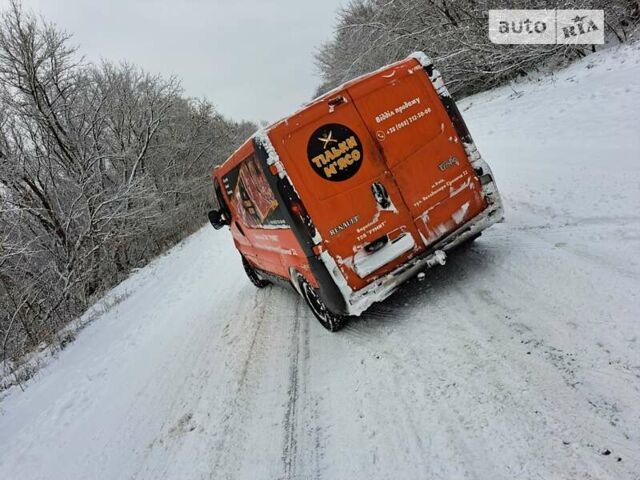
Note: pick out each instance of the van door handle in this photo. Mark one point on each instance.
(335, 101)
(380, 194)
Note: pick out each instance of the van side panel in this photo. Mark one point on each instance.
(260, 233)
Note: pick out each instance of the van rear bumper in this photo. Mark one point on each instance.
(358, 301)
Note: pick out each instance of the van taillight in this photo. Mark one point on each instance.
(296, 208)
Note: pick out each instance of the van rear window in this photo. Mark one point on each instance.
(252, 197)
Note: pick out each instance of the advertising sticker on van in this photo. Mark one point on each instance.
(335, 152)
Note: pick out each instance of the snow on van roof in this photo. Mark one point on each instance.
(421, 57)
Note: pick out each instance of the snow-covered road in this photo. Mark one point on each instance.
(518, 359)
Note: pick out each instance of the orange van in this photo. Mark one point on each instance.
(358, 191)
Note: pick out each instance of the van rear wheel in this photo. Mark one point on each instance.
(329, 320)
(253, 275)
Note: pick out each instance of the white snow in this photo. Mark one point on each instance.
(520, 358)
(459, 214)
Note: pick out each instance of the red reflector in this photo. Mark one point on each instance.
(273, 170)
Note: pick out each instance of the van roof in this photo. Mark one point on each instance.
(246, 148)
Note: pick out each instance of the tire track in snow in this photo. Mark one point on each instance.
(302, 443)
(316, 446)
(229, 445)
(290, 446)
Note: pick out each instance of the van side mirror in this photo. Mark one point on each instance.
(217, 219)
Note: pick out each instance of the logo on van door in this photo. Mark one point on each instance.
(335, 152)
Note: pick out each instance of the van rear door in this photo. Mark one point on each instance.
(347, 189)
(418, 141)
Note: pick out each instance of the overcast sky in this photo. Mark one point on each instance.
(251, 58)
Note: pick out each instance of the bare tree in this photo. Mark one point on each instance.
(372, 33)
(101, 168)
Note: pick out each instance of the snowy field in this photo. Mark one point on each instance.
(519, 359)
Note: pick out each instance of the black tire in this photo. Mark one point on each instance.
(254, 276)
(329, 320)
